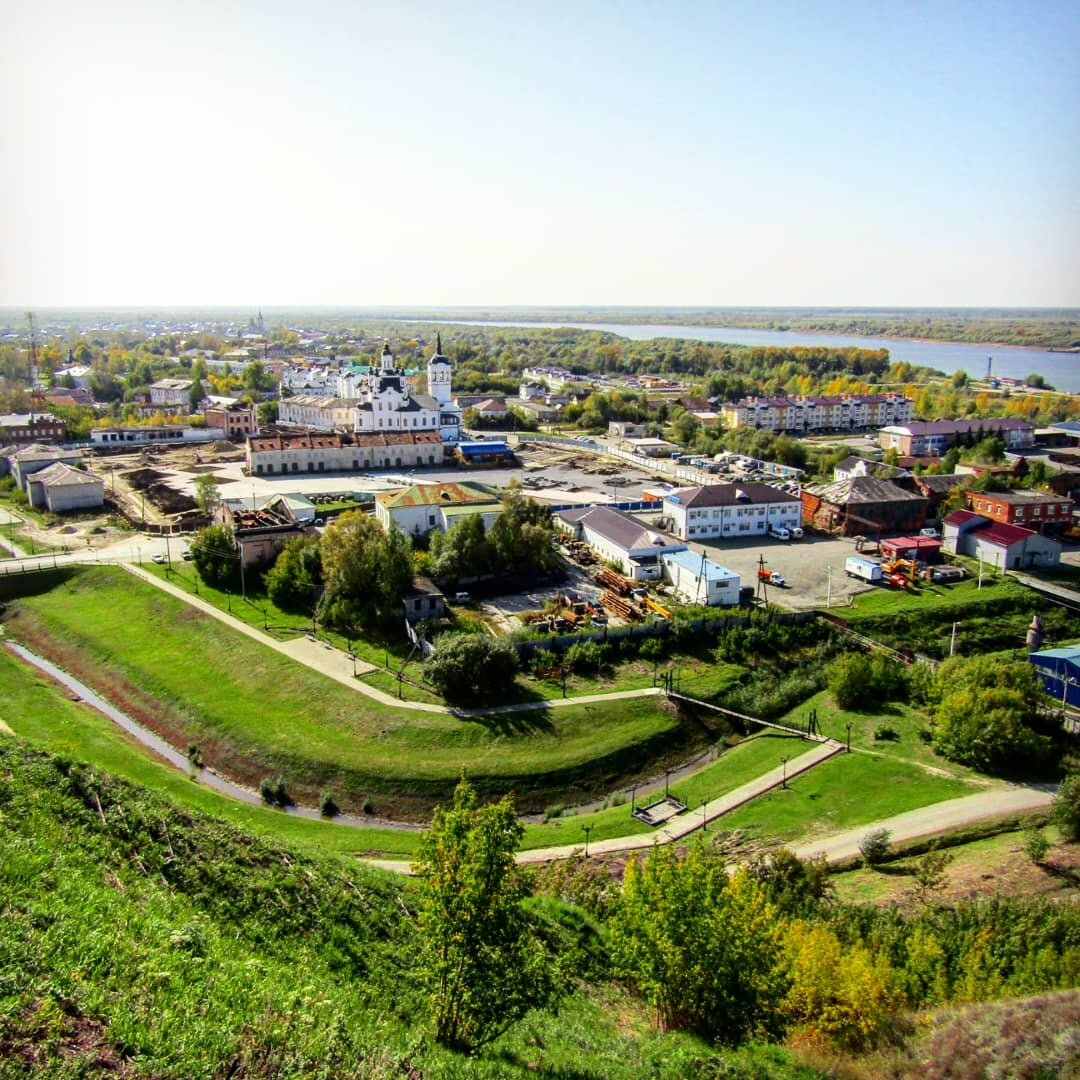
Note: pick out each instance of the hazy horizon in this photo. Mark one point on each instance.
(163, 157)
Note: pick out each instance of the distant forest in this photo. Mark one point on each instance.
(1046, 328)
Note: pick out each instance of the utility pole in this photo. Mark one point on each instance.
(828, 589)
(952, 640)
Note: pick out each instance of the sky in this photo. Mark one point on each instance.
(406, 153)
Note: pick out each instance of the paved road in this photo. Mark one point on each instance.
(932, 820)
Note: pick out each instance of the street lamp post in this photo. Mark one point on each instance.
(586, 829)
(849, 736)
(783, 765)
(704, 821)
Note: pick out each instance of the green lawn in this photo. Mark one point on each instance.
(905, 720)
(927, 596)
(37, 710)
(700, 675)
(207, 683)
(843, 792)
(732, 769)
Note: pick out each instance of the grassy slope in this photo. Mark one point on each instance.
(215, 682)
(39, 712)
(845, 791)
(138, 938)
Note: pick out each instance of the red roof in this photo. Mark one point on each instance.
(919, 543)
(1003, 535)
(960, 517)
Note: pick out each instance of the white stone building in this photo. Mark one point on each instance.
(731, 510)
(318, 452)
(60, 488)
(424, 508)
(171, 394)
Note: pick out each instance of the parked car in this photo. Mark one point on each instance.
(158, 558)
(929, 532)
(779, 532)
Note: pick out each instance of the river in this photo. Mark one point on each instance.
(1061, 370)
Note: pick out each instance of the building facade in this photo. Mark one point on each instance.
(173, 395)
(312, 452)
(1031, 509)
(618, 538)
(1006, 547)
(798, 415)
(60, 488)
(237, 420)
(24, 429)
(425, 508)
(928, 438)
(697, 580)
(719, 511)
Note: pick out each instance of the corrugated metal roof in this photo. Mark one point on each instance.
(863, 489)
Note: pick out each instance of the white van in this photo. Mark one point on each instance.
(779, 532)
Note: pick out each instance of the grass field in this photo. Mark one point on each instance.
(839, 794)
(732, 769)
(700, 674)
(904, 720)
(996, 862)
(927, 596)
(196, 680)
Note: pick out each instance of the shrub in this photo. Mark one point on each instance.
(875, 847)
(274, 791)
(469, 668)
(1036, 845)
(586, 656)
(328, 807)
(884, 733)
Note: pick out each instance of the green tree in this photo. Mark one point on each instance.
(216, 556)
(469, 668)
(481, 964)
(295, 580)
(702, 947)
(196, 394)
(986, 708)
(1066, 812)
(206, 493)
(366, 571)
(463, 551)
(521, 535)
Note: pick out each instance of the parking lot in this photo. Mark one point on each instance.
(804, 563)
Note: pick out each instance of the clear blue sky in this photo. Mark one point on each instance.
(556, 153)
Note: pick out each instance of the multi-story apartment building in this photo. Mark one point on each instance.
(846, 412)
(922, 438)
(731, 510)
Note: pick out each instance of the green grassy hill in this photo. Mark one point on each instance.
(194, 679)
(138, 939)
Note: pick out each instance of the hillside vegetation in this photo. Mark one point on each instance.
(139, 940)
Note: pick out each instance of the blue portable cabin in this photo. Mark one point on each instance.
(1059, 672)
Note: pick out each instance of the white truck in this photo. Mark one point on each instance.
(865, 569)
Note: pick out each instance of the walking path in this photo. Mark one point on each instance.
(332, 662)
(918, 824)
(937, 818)
(7, 518)
(676, 828)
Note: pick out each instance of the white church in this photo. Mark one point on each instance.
(379, 400)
